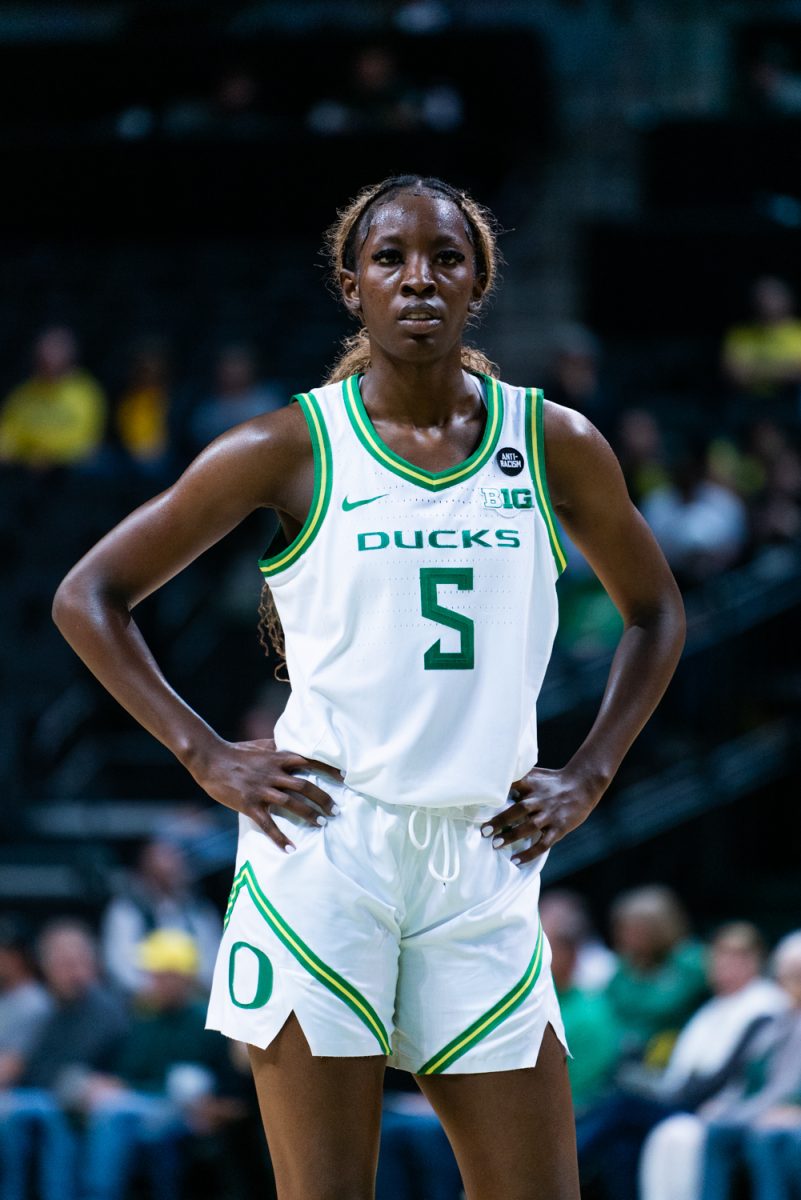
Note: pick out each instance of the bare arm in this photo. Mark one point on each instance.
(267, 462)
(590, 497)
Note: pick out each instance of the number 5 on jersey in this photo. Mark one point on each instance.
(435, 658)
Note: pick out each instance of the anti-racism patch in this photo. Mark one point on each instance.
(510, 461)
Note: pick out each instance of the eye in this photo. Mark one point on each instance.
(451, 257)
(386, 256)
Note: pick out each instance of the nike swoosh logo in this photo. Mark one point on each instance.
(347, 504)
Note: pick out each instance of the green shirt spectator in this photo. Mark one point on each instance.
(661, 976)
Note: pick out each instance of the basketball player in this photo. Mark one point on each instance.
(384, 905)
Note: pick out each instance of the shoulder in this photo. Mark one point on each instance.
(565, 427)
(262, 455)
(579, 460)
(283, 429)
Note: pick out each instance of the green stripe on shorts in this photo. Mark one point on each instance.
(306, 957)
(490, 1020)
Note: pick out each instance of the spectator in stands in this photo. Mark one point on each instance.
(141, 416)
(167, 1081)
(707, 1056)
(592, 1030)
(762, 357)
(158, 895)
(238, 395)
(381, 99)
(24, 1002)
(661, 976)
(701, 525)
(688, 1156)
(57, 417)
(566, 912)
(573, 377)
(641, 451)
(80, 1035)
(232, 110)
(776, 514)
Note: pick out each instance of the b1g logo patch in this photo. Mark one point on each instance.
(507, 497)
(510, 460)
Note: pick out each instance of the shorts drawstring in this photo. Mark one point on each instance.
(443, 840)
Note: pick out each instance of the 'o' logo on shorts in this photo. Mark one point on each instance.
(251, 974)
(510, 460)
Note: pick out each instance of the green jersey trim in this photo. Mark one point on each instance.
(535, 445)
(323, 474)
(489, 1020)
(306, 957)
(434, 481)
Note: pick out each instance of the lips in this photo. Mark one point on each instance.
(420, 314)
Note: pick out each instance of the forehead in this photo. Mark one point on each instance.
(417, 215)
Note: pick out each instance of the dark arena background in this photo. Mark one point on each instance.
(168, 169)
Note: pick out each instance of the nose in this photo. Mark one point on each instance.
(417, 280)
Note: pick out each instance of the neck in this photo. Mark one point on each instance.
(417, 394)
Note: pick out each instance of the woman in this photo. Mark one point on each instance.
(416, 589)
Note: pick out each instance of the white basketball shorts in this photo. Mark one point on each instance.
(390, 931)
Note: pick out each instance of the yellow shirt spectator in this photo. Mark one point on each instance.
(141, 420)
(53, 421)
(764, 357)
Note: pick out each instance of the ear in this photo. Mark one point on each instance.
(479, 287)
(349, 285)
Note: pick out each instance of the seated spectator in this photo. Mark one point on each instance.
(711, 1045)
(381, 99)
(641, 453)
(55, 418)
(24, 1002)
(573, 378)
(143, 408)
(777, 507)
(592, 1031)
(79, 1036)
(158, 895)
(762, 357)
(708, 1054)
(701, 525)
(688, 1156)
(660, 978)
(566, 911)
(167, 1080)
(237, 397)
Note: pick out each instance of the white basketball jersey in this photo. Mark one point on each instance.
(419, 608)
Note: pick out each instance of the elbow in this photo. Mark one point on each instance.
(677, 618)
(69, 602)
(80, 600)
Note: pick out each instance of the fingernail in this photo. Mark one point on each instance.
(335, 810)
(516, 860)
(290, 849)
(486, 830)
(497, 842)
(322, 820)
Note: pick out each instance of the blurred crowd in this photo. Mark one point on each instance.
(106, 1071)
(685, 1067)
